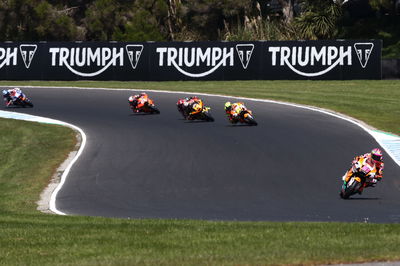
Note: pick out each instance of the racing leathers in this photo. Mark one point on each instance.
(234, 111)
(188, 105)
(195, 106)
(137, 101)
(12, 95)
(376, 169)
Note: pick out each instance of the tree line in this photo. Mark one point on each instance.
(199, 20)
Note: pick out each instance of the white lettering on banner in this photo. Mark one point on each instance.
(103, 57)
(329, 56)
(8, 56)
(185, 57)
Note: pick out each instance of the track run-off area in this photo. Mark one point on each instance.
(288, 168)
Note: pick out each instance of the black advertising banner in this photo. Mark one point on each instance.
(163, 61)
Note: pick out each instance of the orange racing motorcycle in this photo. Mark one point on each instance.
(246, 117)
(201, 112)
(144, 106)
(362, 177)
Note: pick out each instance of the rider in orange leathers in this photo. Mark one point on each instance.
(233, 111)
(194, 107)
(138, 101)
(374, 160)
(185, 105)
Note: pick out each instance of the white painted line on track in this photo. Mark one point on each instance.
(389, 142)
(32, 118)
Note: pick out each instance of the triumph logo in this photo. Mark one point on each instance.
(27, 52)
(74, 58)
(363, 51)
(327, 57)
(211, 57)
(134, 51)
(244, 51)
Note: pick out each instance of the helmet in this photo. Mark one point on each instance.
(228, 105)
(376, 155)
(5, 92)
(143, 94)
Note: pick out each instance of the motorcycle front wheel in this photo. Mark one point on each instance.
(350, 190)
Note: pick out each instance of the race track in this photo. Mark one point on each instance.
(288, 168)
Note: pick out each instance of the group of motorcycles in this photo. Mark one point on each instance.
(193, 108)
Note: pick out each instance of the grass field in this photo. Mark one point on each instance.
(30, 153)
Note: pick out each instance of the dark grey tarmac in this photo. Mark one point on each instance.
(288, 168)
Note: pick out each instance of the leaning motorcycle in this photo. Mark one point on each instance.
(22, 101)
(246, 117)
(148, 107)
(203, 115)
(358, 180)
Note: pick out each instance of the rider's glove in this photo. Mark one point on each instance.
(372, 175)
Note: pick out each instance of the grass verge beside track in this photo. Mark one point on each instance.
(31, 152)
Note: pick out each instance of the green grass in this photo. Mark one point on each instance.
(30, 153)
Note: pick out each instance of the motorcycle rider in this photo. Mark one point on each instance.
(138, 101)
(233, 111)
(185, 105)
(11, 95)
(195, 106)
(374, 160)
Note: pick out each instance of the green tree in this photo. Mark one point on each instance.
(141, 27)
(34, 20)
(318, 19)
(101, 20)
(209, 18)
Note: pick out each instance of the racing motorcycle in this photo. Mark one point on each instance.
(21, 101)
(362, 177)
(148, 107)
(203, 114)
(246, 117)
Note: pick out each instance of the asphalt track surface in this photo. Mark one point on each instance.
(288, 168)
